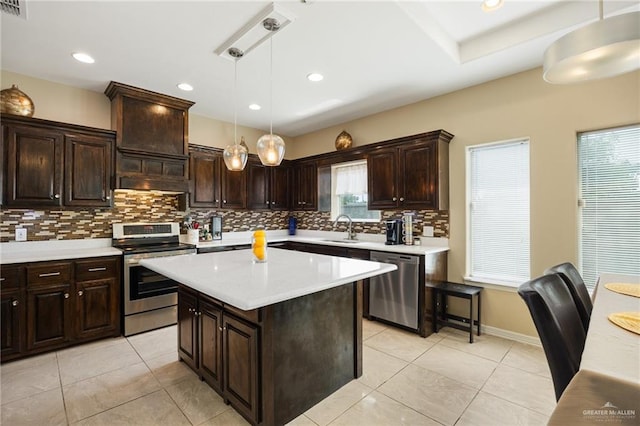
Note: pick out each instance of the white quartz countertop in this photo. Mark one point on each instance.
(38, 251)
(363, 241)
(233, 278)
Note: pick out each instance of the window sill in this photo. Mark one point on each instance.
(508, 286)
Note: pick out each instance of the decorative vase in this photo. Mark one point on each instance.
(259, 245)
(243, 143)
(15, 101)
(343, 141)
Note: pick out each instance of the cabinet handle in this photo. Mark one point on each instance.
(395, 199)
(80, 293)
(57, 196)
(220, 328)
(66, 295)
(401, 199)
(108, 197)
(217, 201)
(49, 274)
(267, 202)
(14, 303)
(224, 201)
(2, 279)
(97, 269)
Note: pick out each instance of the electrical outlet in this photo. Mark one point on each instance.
(21, 234)
(427, 231)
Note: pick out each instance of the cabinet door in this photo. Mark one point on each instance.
(257, 185)
(211, 343)
(279, 188)
(88, 170)
(205, 178)
(305, 187)
(234, 189)
(12, 308)
(382, 172)
(34, 167)
(188, 327)
(48, 317)
(418, 183)
(97, 308)
(240, 357)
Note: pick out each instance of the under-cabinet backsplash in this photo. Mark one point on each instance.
(145, 206)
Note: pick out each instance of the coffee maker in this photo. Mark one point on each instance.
(393, 231)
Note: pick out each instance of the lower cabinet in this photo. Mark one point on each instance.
(51, 305)
(221, 348)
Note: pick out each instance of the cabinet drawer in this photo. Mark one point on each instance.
(96, 269)
(10, 277)
(49, 273)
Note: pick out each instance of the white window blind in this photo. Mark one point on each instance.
(609, 173)
(498, 199)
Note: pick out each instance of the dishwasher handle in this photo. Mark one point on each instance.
(385, 257)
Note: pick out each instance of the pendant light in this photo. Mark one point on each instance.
(271, 147)
(235, 155)
(605, 48)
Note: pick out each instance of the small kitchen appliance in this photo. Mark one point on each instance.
(216, 227)
(393, 231)
(149, 299)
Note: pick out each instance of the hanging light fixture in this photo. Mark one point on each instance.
(235, 155)
(271, 147)
(605, 48)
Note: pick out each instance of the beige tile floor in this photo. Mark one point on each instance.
(440, 380)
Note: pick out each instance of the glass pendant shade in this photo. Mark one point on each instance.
(235, 157)
(270, 149)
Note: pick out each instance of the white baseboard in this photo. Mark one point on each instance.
(511, 335)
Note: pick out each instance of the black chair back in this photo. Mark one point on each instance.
(556, 318)
(578, 290)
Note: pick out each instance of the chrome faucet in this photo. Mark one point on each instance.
(350, 235)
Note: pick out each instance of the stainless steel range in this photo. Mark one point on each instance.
(149, 299)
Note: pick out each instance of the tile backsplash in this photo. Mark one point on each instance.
(150, 206)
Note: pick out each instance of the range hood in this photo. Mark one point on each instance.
(152, 139)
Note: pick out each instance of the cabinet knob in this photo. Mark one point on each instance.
(401, 199)
(217, 201)
(395, 199)
(224, 201)
(66, 295)
(108, 197)
(80, 293)
(191, 309)
(57, 196)
(267, 202)
(220, 328)
(14, 303)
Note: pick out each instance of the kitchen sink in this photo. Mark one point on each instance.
(343, 241)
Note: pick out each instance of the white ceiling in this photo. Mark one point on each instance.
(375, 55)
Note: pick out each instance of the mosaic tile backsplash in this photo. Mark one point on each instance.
(145, 206)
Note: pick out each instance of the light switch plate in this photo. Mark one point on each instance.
(21, 234)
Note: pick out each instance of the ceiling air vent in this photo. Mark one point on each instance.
(14, 7)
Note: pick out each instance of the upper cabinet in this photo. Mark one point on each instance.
(212, 184)
(152, 138)
(50, 164)
(410, 172)
(267, 187)
(305, 186)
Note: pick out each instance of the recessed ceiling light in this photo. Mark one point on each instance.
(185, 86)
(314, 76)
(254, 107)
(83, 57)
(491, 5)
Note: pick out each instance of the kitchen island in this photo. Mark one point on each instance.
(272, 338)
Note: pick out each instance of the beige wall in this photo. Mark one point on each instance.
(522, 105)
(67, 104)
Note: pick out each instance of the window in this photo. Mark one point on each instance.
(349, 192)
(609, 174)
(498, 213)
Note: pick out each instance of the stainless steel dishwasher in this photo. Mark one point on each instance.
(394, 296)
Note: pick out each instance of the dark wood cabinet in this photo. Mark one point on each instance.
(267, 187)
(410, 173)
(97, 300)
(34, 166)
(12, 312)
(51, 164)
(233, 190)
(240, 355)
(88, 170)
(51, 305)
(152, 138)
(305, 186)
(205, 179)
(221, 347)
